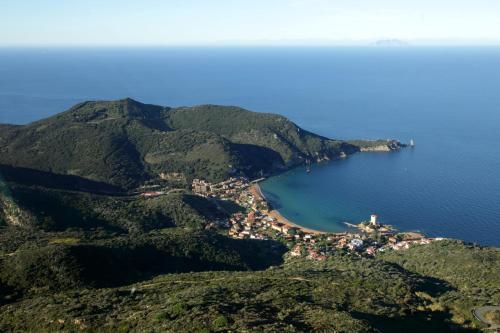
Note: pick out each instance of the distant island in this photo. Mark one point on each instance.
(119, 216)
(391, 42)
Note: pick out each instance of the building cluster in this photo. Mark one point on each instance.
(258, 222)
(150, 191)
(227, 190)
(406, 240)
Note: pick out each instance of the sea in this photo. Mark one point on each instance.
(447, 99)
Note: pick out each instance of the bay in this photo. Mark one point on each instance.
(446, 99)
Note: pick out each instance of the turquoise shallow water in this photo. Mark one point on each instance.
(447, 99)
(397, 186)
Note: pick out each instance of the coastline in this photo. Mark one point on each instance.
(390, 145)
(257, 192)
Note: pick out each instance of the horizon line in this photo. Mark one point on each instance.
(139, 46)
(399, 43)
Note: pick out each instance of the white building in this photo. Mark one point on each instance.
(355, 243)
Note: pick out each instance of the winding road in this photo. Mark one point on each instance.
(481, 311)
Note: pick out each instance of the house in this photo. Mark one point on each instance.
(355, 244)
(392, 240)
(201, 188)
(276, 226)
(151, 194)
(342, 242)
(370, 251)
(296, 251)
(403, 245)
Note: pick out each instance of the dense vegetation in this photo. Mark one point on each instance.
(64, 261)
(81, 252)
(472, 271)
(123, 143)
(343, 294)
(53, 210)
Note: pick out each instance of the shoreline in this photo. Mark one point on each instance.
(257, 192)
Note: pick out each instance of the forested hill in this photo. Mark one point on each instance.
(123, 143)
(78, 254)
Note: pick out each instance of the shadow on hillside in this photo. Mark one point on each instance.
(129, 263)
(258, 159)
(204, 207)
(33, 177)
(56, 212)
(259, 254)
(421, 321)
(430, 285)
(424, 321)
(230, 207)
(129, 259)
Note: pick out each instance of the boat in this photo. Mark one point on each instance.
(412, 143)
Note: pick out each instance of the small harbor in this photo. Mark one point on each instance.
(258, 220)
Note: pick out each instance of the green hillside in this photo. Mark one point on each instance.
(51, 202)
(124, 143)
(343, 294)
(81, 250)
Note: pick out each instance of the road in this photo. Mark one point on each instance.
(481, 311)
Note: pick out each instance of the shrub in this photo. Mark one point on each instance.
(220, 322)
(177, 309)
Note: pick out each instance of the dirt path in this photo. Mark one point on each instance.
(293, 278)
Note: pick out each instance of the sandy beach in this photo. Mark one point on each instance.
(257, 192)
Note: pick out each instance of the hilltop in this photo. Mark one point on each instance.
(84, 249)
(82, 168)
(125, 143)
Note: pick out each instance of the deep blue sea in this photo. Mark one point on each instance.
(446, 99)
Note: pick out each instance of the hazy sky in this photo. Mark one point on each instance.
(163, 22)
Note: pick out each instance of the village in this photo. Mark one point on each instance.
(259, 221)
